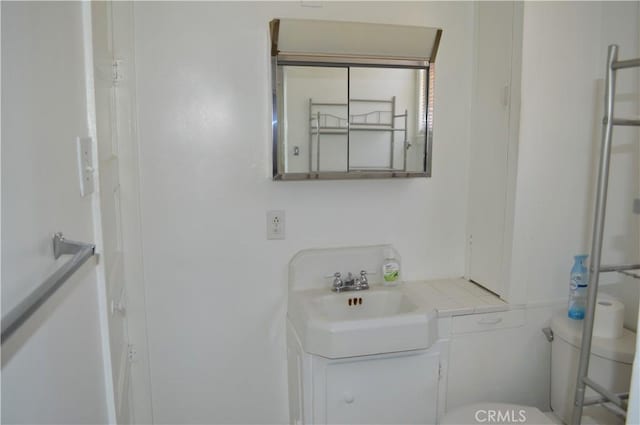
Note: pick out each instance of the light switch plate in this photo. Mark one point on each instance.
(636, 206)
(85, 165)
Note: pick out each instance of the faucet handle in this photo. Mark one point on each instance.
(337, 280)
(363, 278)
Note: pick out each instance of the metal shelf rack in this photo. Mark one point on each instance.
(616, 402)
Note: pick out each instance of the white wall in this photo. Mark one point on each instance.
(563, 64)
(53, 369)
(216, 288)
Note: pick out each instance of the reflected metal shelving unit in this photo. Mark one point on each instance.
(322, 122)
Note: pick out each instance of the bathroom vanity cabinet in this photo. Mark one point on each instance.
(386, 388)
(479, 349)
(360, 356)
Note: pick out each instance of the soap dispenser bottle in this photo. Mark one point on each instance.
(578, 288)
(390, 268)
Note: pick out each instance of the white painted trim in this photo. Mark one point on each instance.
(638, 131)
(122, 20)
(123, 384)
(0, 158)
(509, 292)
(474, 79)
(633, 415)
(97, 216)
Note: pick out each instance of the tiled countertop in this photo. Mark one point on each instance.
(455, 297)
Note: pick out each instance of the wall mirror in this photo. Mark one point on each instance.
(351, 100)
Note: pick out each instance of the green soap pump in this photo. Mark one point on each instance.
(390, 268)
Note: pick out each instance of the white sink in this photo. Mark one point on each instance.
(374, 304)
(358, 323)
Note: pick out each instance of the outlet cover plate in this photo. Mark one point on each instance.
(275, 224)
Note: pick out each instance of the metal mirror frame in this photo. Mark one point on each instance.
(280, 59)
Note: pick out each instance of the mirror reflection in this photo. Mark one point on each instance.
(352, 119)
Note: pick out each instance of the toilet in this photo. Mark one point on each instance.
(610, 365)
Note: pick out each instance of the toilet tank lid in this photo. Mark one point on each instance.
(617, 349)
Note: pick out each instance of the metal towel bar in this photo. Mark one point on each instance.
(19, 314)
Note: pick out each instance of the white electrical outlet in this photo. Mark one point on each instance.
(275, 224)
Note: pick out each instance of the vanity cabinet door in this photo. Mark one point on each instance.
(498, 357)
(401, 388)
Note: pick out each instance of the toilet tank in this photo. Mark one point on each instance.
(610, 363)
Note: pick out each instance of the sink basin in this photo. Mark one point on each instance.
(358, 323)
(363, 305)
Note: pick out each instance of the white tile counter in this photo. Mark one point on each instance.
(455, 297)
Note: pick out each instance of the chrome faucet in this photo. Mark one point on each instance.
(350, 283)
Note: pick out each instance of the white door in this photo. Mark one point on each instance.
(488, 170)
(54, 367)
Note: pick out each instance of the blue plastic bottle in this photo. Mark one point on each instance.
(578, 288)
